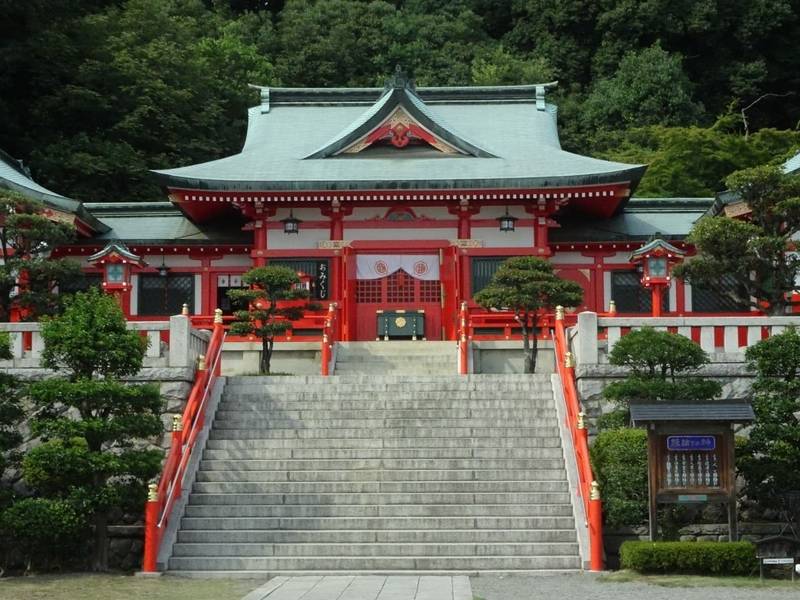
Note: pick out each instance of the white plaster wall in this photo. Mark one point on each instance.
(233, 260)
(620, 258)
(134, 294)
(444, 233)
(304, 214)
(570, 258)
(154, 260)
(492, 237)
(305, 240)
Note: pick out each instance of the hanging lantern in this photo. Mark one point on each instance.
(290, 224)
(507, 222)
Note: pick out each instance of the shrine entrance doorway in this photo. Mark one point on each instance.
(400, 303)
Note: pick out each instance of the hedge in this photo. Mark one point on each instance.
(619, 460)
(703, 558)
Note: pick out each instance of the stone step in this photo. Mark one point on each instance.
(356, 536)
(270, 424)
(320, 380)
(362, 487)
(380, 453)
(395, 465)
(374, 549)
(389, 404)
(375, 564)
(384, 523)
(550, 441)
(242, 412)
(382, 499)
(383, 433)
(375, 384)
(380, 475)
(367, 510)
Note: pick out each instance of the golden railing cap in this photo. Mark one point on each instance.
(559, 313)
(152, 492)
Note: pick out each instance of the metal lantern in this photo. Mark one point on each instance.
(291, 224)
(507, 222)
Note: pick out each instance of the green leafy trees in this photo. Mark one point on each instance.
(648, 88)
(769, 458)
(659, 363)
(527, 286)
(752, 253)
(11, 414)
(28, 275)
(92, 425)
(265, 317)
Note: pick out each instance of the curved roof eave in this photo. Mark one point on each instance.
(631, 175)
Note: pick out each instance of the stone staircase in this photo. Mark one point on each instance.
(380, 474)
(395, 357)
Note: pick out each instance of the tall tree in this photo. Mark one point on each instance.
(270, 311)
(528, 286)
(754, 252)
(770, 458)
(92, 454)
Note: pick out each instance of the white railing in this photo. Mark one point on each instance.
(183, 343)
(715, 335)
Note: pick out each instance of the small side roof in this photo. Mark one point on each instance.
(730, 411)
(792, 165)
(642, 219)
(14, 177)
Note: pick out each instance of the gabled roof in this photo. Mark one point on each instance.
(398, 99)
(656, 245)
(115, 249)
(14, 177)
(506, 137)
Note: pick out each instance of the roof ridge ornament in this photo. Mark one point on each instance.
(399, 81)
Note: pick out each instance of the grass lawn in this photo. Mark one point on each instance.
(696, 580)
(122, 587)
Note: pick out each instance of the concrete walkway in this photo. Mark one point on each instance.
(368, 587)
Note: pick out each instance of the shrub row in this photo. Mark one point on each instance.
(704, 558)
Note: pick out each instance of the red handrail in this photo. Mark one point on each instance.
(161, 498)
(587, 485)
(330, 335)
(463, 341)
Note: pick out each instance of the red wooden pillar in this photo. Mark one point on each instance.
(336, 212)
(464, 212)
(258, 215)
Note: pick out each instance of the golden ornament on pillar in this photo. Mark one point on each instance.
(152, 492)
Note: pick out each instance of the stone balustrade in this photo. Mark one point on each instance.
(726, 337)
(173, 343)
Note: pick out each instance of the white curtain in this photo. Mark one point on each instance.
(375, 266)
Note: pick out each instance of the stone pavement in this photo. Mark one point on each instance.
(368, 587)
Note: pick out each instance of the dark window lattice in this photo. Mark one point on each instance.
(483, 269)
(630, 296)
(160, 296)
(718, 299)
(89, 280)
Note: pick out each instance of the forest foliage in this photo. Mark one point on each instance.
(97, 92)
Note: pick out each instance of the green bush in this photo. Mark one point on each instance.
(41, 530)
(619, 460)
(703, 558)
(616, 419)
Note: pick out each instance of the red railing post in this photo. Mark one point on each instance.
(151, 540)
(463, 348)
(176, 448)
(595, 517)
(328, 339)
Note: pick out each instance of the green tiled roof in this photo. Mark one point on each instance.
(160, 222)
(15, 178)
(288, 132)
(643, 218)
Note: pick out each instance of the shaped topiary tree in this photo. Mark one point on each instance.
(93, 425)
(268, 314)
(528, 286)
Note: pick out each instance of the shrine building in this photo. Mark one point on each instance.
(392, 199)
